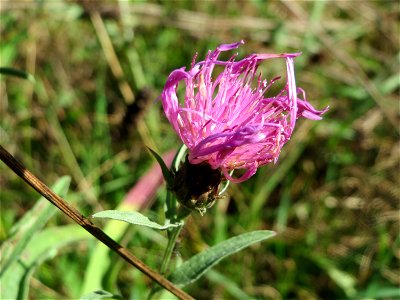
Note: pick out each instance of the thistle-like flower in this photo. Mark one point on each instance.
(227, 121)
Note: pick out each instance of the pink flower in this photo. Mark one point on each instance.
(226, 122)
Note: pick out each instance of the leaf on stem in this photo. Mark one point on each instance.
(165, 171)
(132, 217)
(197, 265)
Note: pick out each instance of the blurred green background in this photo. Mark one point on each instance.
(99, 67)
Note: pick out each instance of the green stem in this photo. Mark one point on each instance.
(172, 236)
(181, 214)
(170, 248)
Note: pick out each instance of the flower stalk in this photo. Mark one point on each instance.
(172, 238)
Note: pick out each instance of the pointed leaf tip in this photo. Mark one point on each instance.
(164, 169)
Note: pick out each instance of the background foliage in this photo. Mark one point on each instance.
(99, 67)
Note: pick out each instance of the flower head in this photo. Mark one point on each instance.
(227, 121)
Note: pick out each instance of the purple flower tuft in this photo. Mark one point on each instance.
(228, 123)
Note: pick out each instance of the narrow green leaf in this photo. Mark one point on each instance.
(165, 171)
(99, 295)
(32, 222)
(43, 246)
(100, 259)
(16, 73)
(343, 279)
(132, 217)
(197, 265)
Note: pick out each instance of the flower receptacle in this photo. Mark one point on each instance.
(197, 186)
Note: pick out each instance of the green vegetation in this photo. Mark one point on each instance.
(91, 112)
